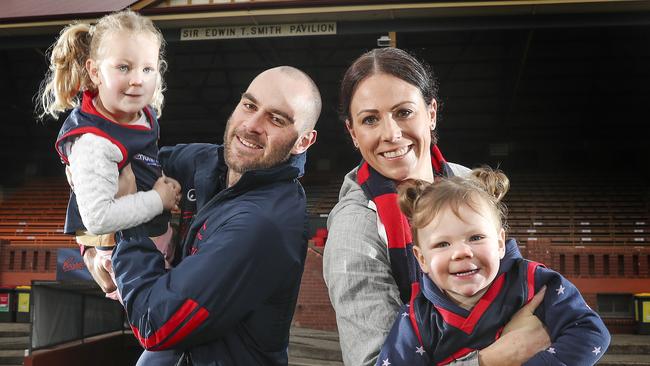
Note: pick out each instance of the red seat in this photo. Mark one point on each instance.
(318, 241)
(321, 232)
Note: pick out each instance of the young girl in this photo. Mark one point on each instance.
(473, 285)
(109, 140)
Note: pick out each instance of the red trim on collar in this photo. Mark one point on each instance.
(532, 267)
(87, 106)
(415, 290)
(467, 324)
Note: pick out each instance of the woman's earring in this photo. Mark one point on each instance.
(356, 145)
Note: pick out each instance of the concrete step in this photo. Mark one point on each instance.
(630, 344)
(314, 333)
(14, 329)
(624, 360)
(300, 361)
(315, 345)
(7, 343)
(12, 357)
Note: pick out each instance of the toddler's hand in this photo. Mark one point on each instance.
(169, 191)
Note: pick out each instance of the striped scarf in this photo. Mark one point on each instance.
(382, 191)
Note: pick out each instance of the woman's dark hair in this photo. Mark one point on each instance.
(392, 61)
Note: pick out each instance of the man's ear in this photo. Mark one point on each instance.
(92, 67)
(304, 142)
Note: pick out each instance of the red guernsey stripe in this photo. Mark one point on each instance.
(196, 320)
(532, 266)
(94, 131)
(415, 290)
(390, 213)
(458, 354)
(168, 328)
(467, 324)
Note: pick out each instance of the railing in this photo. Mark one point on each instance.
(66, 312)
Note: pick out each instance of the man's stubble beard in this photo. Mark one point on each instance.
(277, 156)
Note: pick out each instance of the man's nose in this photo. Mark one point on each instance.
(255, 123)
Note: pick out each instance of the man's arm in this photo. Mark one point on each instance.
(208, 293)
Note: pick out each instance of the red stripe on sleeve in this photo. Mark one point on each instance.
(196, 320)
(168, 328)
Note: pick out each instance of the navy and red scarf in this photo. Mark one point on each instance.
(383, 192)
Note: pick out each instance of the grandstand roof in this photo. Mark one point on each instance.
(21, 10)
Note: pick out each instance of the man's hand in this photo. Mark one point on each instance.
(98, 269)
(521, 339)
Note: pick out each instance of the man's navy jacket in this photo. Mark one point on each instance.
(231, 298)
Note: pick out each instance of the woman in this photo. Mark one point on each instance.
(389, 104)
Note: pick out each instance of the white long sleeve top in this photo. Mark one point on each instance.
(95, 180)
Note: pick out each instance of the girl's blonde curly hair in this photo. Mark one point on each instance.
(67, 76)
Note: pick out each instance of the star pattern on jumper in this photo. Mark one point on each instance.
(596, 350)
(386, 363)
(420, 350)
(560, 290)
(551, 350)
(405, 314)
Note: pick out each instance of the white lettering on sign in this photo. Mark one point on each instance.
(257, 31)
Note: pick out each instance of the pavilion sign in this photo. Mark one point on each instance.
(257, 31)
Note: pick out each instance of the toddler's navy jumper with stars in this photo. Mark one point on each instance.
(433, 330)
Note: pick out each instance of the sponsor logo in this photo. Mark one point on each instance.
(70, 264)
(147, 160)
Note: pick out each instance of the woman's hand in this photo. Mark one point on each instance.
(521, 339)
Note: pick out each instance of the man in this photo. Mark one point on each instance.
(231, 298)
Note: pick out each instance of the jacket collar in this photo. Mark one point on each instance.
(293, 168)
